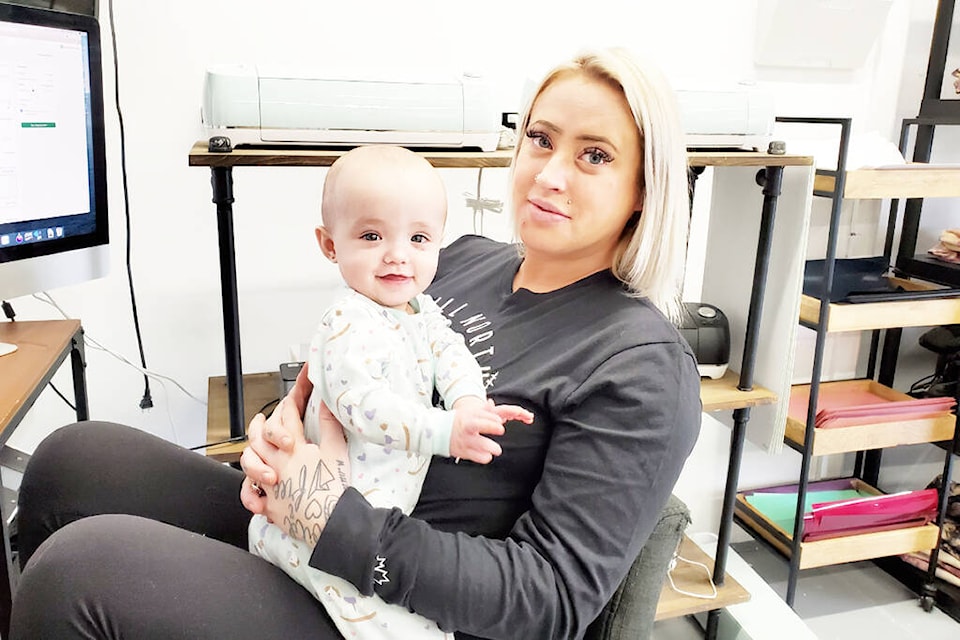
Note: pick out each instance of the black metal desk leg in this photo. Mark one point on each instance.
(78, 363)
(222, 182)
(770, 179)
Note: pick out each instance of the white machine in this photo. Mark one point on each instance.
(253, 105)
(260, 106)
(735, 116)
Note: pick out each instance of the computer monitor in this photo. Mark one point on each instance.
(53, 186)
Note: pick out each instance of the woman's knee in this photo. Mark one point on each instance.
(61, 586)
(67, 447)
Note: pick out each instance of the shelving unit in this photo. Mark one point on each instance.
(913, 181)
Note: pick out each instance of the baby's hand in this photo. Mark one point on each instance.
(511, 412)
(473, 419)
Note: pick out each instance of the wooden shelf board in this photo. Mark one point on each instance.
(259, 389)
(868, 436)
(911, 181)
(695, 580)
(722, 394)
(745, 159)
(883, 315)
(311, 156)
(40, 345)
(305, 156)
(852, 548)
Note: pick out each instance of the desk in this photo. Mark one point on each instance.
(734, 392)
(42, 348)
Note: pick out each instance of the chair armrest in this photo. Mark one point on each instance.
(631, 611)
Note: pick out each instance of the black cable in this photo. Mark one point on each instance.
(214, 444)
(235, 438)
(147, 401)
(62, 397)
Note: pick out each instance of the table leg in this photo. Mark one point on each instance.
(222, 182)
(78, 364)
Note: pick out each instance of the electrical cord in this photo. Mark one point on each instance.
(673, 565)
(480, 204)
(62, 397)
(219, 442)
(90, 342)
(235, 438)
(146, 402)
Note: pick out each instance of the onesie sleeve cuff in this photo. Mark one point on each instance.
(461, 389)
(443, 429)
(349, 543)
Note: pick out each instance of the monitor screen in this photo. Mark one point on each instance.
(53, 197)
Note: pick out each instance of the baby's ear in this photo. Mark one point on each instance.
(325, 240)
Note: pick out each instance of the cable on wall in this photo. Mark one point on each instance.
(480, 204)
(146, 402)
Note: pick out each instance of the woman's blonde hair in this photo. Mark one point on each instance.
(651, 255)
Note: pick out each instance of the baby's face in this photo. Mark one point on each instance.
(387, 239)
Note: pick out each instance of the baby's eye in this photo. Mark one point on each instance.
(370, 236)
(597, 156)
(419, 237)
(539, 138)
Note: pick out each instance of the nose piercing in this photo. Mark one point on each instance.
(536, 178)
(569, 201)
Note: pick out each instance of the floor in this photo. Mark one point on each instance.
(856, 600)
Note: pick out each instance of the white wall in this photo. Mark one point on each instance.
(163, 49)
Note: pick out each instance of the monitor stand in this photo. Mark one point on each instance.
(6, 347)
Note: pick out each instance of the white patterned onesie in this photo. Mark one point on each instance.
(376, 369)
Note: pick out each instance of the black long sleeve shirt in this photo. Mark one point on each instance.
(535, 543)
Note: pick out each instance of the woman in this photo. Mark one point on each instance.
(573, 328)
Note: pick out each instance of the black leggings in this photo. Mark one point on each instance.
(125, 535)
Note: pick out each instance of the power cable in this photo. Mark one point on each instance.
(146, 402)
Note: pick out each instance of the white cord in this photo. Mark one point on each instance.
(96, 345)
(706, 570)
(480, 204)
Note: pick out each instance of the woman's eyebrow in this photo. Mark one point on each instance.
(546, 124)
(594, 138)
(585, 137)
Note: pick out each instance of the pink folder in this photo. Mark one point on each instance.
(874, 513)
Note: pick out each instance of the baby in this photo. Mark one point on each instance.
(379, 353)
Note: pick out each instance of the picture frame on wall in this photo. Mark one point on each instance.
(941, 94)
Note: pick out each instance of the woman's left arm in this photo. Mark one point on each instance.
(616, 452)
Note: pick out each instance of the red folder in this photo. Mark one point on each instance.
(874, 513)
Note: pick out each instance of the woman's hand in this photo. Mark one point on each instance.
(311, 480)
(266, 435)
(293, 483)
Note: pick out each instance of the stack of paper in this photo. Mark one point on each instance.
(847, 406)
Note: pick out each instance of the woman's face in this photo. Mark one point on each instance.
(576, 178)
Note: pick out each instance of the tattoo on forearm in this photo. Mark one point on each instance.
(310, 502)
